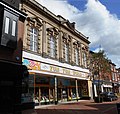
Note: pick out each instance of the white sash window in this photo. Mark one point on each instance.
(33, 39)
(52, 47)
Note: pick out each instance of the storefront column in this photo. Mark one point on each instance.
(76, 84)
(34, 85)
(61, 94)
(54, 95)
(49, 94)
(39, 95)
(71, 93)
(60, 46)
(44, 40)
(95, 91)
(102, 88)
(68, 91)
(56, 101)
(72, 51)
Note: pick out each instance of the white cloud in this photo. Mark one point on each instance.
(60, 7)
(95, 21)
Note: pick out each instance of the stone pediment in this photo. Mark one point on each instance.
(35, 20)
(53, 31)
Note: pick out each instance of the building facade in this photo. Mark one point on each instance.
(104, 74)
(11, 18)
(56, 55)
(115, 78)
(118, 77)
(101, 75)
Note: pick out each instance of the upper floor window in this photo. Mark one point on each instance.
(13, 27)
(9, 28)
(77, 56)
(7, 24)
(66, 52)
(52, 47)
(113, 76)
(84, 59)
(33, 39)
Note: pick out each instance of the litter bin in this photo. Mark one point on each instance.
(118, 107)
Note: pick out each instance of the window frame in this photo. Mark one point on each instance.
(33, 39)
(7, 25)
(14, 25)
(66, 52)
(52, 52)
(84, 59)
(77, 56)
(7, 39)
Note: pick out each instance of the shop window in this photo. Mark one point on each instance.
(41, 80)
(33, 39)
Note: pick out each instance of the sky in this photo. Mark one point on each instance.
(97, 19)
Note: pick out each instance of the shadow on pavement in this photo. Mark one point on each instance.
(80, 109)
(84, 107)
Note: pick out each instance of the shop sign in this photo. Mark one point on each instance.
(45, 67)
(65, 71)
(34, 65)
(56, 69)
(76, 73)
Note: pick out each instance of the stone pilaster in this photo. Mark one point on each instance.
(44, 40)
(60, 47)
(76, 84)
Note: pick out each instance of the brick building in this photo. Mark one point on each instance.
(11, 21)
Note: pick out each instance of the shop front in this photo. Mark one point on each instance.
(107, 86)
(41, 88)
(53, 84)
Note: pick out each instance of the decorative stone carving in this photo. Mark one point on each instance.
(34, 22)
